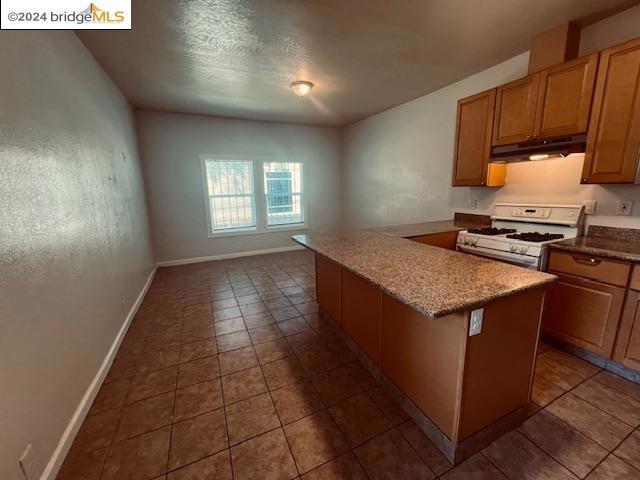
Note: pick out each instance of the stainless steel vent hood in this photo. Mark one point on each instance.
(556, 146)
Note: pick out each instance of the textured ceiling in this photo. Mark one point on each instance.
(237, 58)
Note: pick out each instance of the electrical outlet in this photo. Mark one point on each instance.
(475, 323)
(624, 207)
(473, 203)
(26, 463)
(589, 207)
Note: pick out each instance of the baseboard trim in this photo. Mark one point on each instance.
(60, 453)
(226, 256)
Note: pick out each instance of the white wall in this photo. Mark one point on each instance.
(74, 238)
(170, 145)
(397, 165)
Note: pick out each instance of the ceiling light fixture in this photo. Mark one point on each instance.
(301, 87)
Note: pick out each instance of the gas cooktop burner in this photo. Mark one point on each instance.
(536, 236)
(492, 231)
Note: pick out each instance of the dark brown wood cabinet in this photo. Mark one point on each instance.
(627, 349)
(515, 113)
(473, 138)
(613, 145)
(564, 98)
(443, 240)
(584, 313)
(328, 278)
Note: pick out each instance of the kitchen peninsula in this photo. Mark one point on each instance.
(452, 336)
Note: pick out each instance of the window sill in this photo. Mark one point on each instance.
(263, 231)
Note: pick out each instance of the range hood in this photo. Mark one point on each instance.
(557, 146)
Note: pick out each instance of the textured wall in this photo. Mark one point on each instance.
(170, 145)
(397, 165)
(74, 238)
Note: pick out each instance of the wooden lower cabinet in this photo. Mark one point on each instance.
(627, 351)
(443, 240)
(584, 313)
(328, 289)
(362, 313)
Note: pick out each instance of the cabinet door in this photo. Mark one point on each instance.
(628, 342)
(328, 287)
(613, 144)
(473, 138)
(584, 313)
(516, 110)
(564, 100)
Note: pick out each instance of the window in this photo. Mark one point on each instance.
(236, 205)
(283, 190)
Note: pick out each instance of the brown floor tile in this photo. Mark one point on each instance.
(544, 392)
(362, 375)
(593, 422)
(248, 299)
(614, 469)
(572, 449)
(630, 449)
(146, 415)
(240, 385)
(141, 457)
(199, 332)
(620, 384)
(306, 308)
(271, 293)
(237, 360)
(265, 333)
(296, 401)
(198, 349)
(233, 341)
(389, 407)
(124, 367)
(222, 303)
(258, 320)
(215, 467)
(345, 467)
(315, 320)
(359, 419)
(342, 351)
(335, 385)
(278, 302)
(475, 468)
(226, 314)
(284, 313)
(229, 326)
(283, 372)
(425, 448)
(266, 457)
(290, 291)
(197, 437)
(293, 326)
(303, 341)
(314, 440)
(166, 340)
(583, 367)
(318, 360)
(611, 401)
(197, 371)
(299, 298)
(253, 308)
(151, 384)
(196, 399)
(274, 350)
(111, 395)
(518, 458)
(557, 373)
(251, 417)
(97, 431)
(390, 456)
(157, 360)
(83, 466)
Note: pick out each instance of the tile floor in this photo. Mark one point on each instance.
(228, 372)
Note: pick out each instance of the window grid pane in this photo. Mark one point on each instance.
(231, 194)
(283, 191)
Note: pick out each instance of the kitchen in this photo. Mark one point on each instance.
(259, 254)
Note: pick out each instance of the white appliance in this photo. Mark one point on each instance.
(521, 233)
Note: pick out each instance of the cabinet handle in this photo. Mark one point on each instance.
(587, 260)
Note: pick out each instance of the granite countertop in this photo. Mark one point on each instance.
(433, 280)
(425, 228)
(602, 246)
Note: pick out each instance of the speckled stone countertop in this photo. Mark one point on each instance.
(433, 280)
(615, 243)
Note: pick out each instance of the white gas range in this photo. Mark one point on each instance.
(521, 233)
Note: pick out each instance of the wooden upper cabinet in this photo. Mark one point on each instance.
(515, 114)
(564, 98)
(473, 138)
(613, 144)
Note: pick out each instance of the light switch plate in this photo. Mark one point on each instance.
(475, 322)
(589, 207)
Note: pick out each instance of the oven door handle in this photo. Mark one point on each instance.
(523, 261)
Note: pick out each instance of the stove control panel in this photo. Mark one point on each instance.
(531, 212)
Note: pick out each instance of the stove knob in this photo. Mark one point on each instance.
(524, 249)
(513, 248)
(474, 242)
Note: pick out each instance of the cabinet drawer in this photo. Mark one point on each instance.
(635, 278)
(595, 268)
